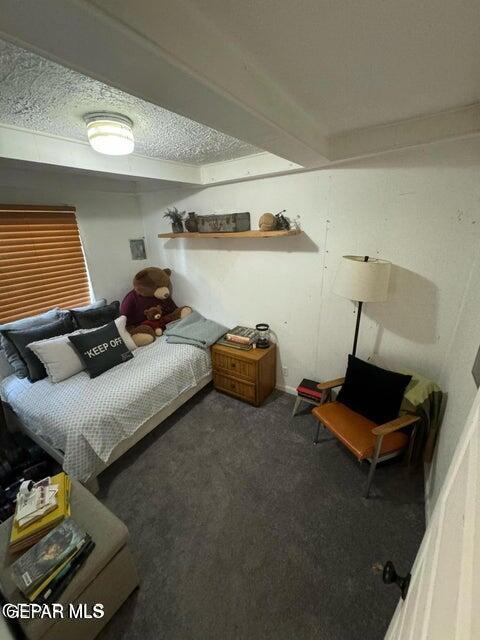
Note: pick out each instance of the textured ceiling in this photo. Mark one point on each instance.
(41, 95)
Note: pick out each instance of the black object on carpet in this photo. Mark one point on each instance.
(242, 529)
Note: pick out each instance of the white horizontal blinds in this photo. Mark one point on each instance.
(41, 261)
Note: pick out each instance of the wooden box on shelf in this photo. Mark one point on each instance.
(247, 375)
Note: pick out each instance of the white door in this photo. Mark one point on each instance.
(443, 601)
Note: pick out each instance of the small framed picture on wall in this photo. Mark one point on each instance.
(137, 249)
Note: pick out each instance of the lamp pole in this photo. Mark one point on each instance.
(359, 315)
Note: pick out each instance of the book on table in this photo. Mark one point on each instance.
(35, 569)
(25, 534)
(52, 589)
(35, 502)
(242, 338)
(309, 389)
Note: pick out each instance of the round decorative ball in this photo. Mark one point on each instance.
(267, 222)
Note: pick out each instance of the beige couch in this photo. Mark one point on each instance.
(108, 577)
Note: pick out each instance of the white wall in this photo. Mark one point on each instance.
(418, 208)
(457, 379)
(107, 219)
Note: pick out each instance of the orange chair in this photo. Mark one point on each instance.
(365, 439)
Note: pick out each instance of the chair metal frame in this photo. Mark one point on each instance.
(379, 432)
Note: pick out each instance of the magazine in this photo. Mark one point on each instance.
(43, 558)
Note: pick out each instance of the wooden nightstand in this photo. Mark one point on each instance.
(247, 375)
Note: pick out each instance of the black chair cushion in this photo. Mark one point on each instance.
(373, 392)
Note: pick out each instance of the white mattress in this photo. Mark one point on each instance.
(86, 418)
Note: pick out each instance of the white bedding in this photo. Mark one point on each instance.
(86, 418)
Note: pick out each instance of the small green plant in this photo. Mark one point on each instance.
(175, 216)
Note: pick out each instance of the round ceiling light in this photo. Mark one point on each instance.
(110, 133)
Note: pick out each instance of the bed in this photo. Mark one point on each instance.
(86, 424)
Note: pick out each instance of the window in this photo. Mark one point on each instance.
(41, 261)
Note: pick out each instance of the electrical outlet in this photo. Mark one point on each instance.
(285, 372)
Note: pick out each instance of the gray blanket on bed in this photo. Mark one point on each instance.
(195, 330)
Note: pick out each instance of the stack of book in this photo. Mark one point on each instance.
(242, 338)
(35, 500)
(39, 511)
(309, 389)
(45, 570)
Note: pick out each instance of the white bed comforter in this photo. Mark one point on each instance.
(86, 418)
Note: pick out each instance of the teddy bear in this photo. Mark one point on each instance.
(151, 287)
(154, 315)
(157, 321)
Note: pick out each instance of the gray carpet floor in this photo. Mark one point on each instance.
(242, 529)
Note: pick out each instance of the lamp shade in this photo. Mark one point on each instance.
(363, 281)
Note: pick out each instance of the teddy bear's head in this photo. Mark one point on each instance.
(154, 313)
(153, 282)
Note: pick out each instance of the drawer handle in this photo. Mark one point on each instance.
(233, 365)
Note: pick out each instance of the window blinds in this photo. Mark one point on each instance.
(41, 261)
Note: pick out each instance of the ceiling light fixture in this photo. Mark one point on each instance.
(110, 133)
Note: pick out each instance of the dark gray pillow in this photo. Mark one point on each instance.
(11, 353)
(97, 317)
(23, 337)
(102, 349)
(101, 302)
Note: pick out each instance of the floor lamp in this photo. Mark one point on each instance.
(362, 279)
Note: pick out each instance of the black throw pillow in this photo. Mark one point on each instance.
(101, 350)
(93, 318)
(21, 338)
(373, 392)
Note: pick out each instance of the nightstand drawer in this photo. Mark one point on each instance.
(234, 366)
(248, 375)
(244, 390)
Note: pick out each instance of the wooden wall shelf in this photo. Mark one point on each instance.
(236, 234)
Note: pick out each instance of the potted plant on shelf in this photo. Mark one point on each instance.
(176, 218)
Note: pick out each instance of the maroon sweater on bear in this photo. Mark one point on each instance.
(134, 305)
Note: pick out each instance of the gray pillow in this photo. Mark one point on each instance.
(93, 305)
(5, 368)
(21, 338)
(101, 302)
(94, 318)
(61, 359)
(11, 353)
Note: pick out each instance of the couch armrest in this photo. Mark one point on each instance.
(330, 384)
(394, 425)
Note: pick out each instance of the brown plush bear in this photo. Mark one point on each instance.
(151, 287)
(154, 315)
